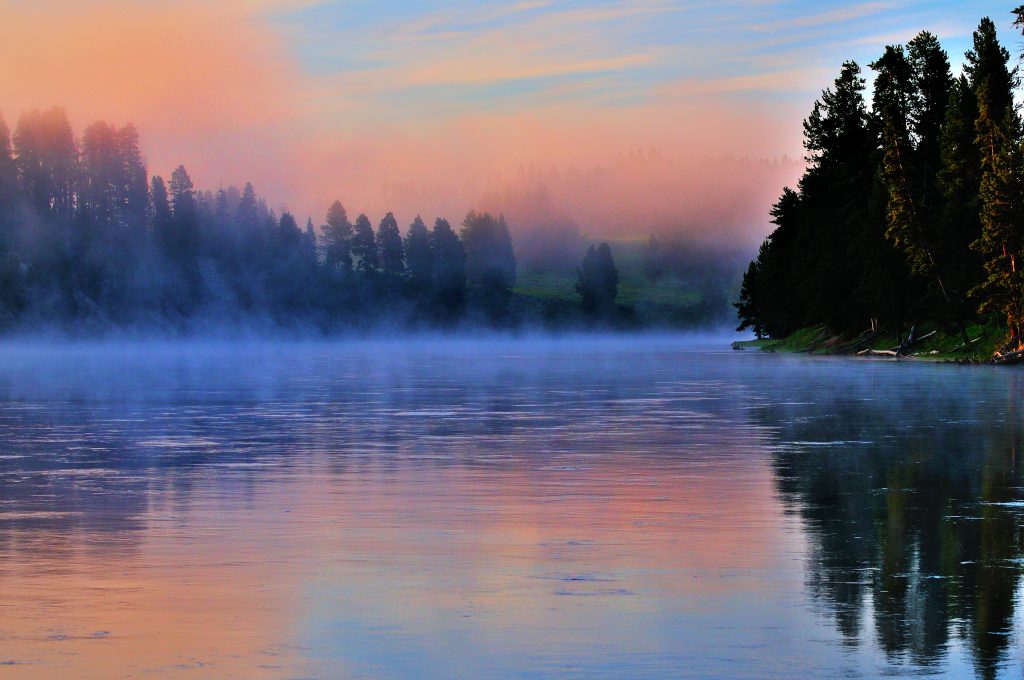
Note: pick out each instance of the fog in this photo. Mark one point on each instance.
(234, 103)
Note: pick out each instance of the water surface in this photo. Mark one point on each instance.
(620, 508)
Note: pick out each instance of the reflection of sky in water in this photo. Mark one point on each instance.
(588, 508)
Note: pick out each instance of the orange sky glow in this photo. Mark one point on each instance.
(431, 109)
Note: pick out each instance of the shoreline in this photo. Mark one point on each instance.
(931, 345)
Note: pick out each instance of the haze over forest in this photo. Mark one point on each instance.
(438, 109)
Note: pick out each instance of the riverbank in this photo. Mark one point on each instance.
(929, 344)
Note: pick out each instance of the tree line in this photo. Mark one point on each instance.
(910, 210)
(88, 238)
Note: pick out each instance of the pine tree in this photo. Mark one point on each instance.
(364, 246)
(289, 237)
(336, 239)
(932, 84)
(749, 302)
(161, 212)
(11, 275)
(843, 257)
(959, 181)
(449, 268)
(419, 255)
(309, 244)
(998, 136)
(132, 194)
(184, 243)
(102, 176)
(490, 260)
(46, 158)
(247, 214)
(8, 172)
(597, 281)
(392, 254)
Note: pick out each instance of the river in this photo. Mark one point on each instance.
(645, 507)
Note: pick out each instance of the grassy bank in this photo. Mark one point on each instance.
(935, 344)
(549, 296)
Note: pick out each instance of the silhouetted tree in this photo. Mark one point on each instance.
(161, 208)
(392, 254)
(490, 261)
(449, 269)
(419, 256)
(364, 246)
(336, 239)
(998, 130)
(183, 241)
(597, 281)
(46, 157)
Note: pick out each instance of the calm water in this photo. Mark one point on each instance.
(597, 508)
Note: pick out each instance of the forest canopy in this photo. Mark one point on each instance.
(911, 208)
(89, 240)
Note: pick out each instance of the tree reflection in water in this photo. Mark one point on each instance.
(912, 512)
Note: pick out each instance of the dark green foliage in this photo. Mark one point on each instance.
(844, 261)
(336, 239)
(419, 256)
(8, 173)
(770, 302)
(1001, 243)
(88, 240)
(449, 269)
(904, 209)
(392, 253)
(597, 281)
(490, 262)
(959, 181)
(364, 246)
(46, 157)
(161, 208)
(183, 242)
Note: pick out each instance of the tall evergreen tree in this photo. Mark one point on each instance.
(998, 129)
(309, 243)
(772, 297)
(449, 268)
(490, 260)
(46, 158)
(11, 276)
(364, 246)
(289, 237)
(597, 281)
(247, 214)
(932, 83)
(959, 181)
(392, 254)
(161, 209)
(183, 243)
(132, 194)
(419, 255)
(336, 239)
(102, 176)
(8, 172)
(845, 261)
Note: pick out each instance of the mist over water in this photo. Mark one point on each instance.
(504, 507)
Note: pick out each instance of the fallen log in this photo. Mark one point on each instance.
(1008, 358)
(911, 341)
(963, 348)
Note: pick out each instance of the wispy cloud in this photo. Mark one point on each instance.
(315, 99)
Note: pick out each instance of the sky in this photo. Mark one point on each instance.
(429, 106)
